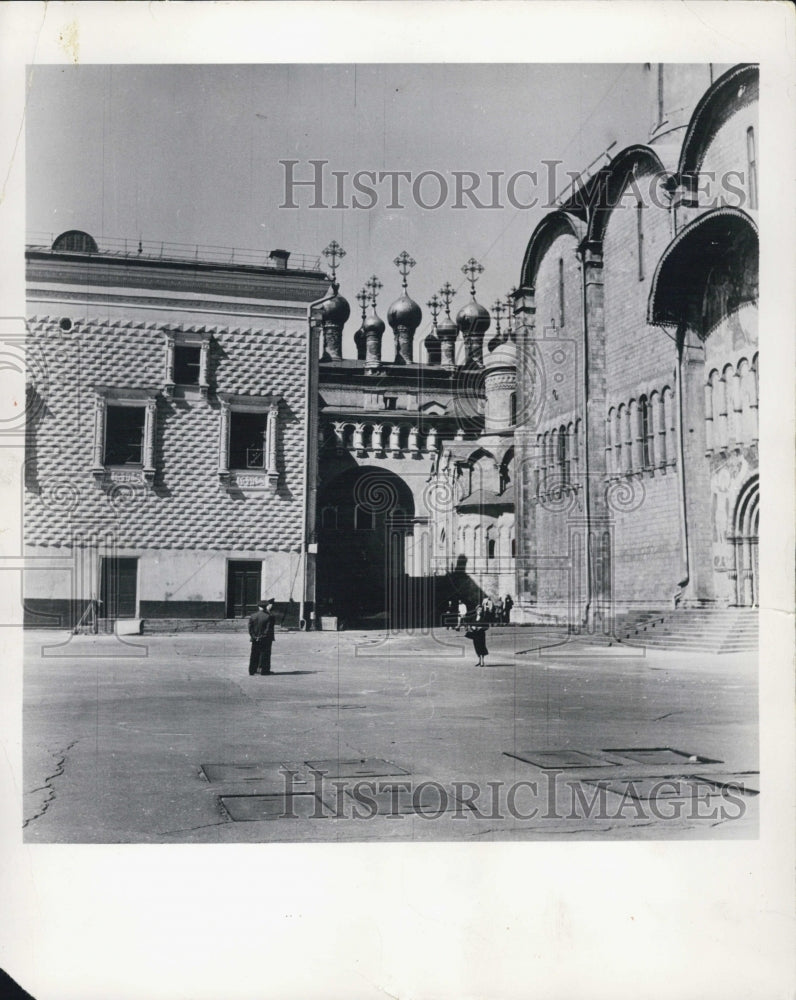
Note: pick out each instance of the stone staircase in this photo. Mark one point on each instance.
(169, 626)
(709, 630)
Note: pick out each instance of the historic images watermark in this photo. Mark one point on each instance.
(313, 184)
(546, 798)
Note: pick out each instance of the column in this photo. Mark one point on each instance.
(413, 444)
(377, 442)
(169, 386)
(100, 407)
(359, 444)
(270, 446)
(395, 433)
(431, 440)
(150, 420)
(204, 366)
(338, 426)
(223, 441)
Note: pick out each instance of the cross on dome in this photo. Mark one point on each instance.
(447, 292)
(404, 262)
(334, 253)
(363, 298)
(472, 270)
(374, 286)
(434, 304)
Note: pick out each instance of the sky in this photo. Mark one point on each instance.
(191, 154)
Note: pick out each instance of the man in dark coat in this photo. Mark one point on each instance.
(261, 633)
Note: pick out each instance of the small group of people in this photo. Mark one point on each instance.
(487, 611)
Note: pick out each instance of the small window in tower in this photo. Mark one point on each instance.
(751, 159)
(513, 408)
(247, 440)
(390, 402)
(187, 361)
(490, 548)
(124, 435)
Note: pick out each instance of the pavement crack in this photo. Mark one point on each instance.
(48, 786)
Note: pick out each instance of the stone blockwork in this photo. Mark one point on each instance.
(186, 506)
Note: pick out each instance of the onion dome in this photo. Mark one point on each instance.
(334, 311)
(404, 312)
(473, 319)
(447, 328)
(373, 325)
(433, 349)
(504, 355)
(359, 343)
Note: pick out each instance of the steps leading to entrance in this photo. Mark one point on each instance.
(719, 630)
(168, 626)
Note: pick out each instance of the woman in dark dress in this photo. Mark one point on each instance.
(477, 635)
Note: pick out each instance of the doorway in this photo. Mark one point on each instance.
(244, 578)
(119, 587)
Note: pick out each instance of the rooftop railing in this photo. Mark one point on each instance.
(184, 252)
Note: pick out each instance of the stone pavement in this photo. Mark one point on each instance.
(361, 737)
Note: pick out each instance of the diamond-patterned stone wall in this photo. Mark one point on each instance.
(186, 506)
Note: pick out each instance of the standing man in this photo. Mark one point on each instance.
(261, 633)
(508, 604)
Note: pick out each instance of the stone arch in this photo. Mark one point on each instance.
(746, 526)
(721, 238)
(553, 225)
(612, 181)
(360, 564)
(734, 89)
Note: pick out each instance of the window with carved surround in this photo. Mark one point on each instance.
(187, 353)
(125, 421)
(247, 457)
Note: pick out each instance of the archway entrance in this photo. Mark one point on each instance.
(364, 518)
(745, 529)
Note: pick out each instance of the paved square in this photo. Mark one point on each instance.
(181, 745)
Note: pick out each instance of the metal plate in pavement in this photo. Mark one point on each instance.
(561, 759)
(263, 771)
(659, 755)
(255, 808)
(360, 767)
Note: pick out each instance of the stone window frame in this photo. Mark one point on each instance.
(135, 397)
(188, 338)
(256, 479)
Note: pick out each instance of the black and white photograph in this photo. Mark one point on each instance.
(390, 456)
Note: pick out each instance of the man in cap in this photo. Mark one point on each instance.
(261, 633)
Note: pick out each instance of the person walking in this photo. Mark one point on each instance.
(462, 614)
(498, 611)
(477, 635)
(261, 634)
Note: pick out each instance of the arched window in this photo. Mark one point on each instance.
(632, 452)
(561, 314)
(644, 432)
(367, 437)
(490, 548)
(618, 439)
(513, 548)
(751, 166)
(513, 408)
(609, 441)
(564, 453)
(348, 436)
(653, 416)
(403, 437)
(640, 238)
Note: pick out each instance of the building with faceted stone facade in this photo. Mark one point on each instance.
(167, 400)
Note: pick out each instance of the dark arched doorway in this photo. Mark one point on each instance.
(364, 517)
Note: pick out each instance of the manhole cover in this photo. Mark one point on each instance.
(676, 786)
(660, 755)
(560, 758)
(362, 767)
(254, 808)
(264, 771)
(426, 799)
